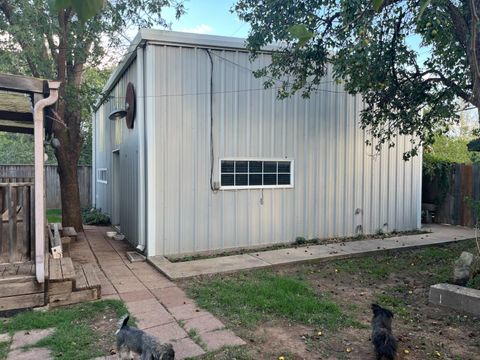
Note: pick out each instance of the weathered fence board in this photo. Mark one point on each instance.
(16, 235)
(25, 173)
(464, 184)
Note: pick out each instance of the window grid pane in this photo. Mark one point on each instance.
(255, 173)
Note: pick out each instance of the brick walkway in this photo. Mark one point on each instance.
(161, 308)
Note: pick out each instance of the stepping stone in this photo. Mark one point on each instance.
(203, 324)
(186, 348)
(186, 312)
(37, 353)
(167, 332)
(108, 357)
(172, 297)
(136, 295)
(30, 337)
(4, 337)
(150, 320)
(215, 340)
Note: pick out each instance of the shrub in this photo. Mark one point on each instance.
(95, 216)
(451, 149)
(474, 282)
(300, 240)
(436, 179)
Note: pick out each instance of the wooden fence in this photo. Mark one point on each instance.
(19, 173)
(16, 222)
(454, 208)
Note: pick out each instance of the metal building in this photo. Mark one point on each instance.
(215, 161)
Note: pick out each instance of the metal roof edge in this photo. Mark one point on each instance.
(209, 41)
(120, 69)
(173, 38)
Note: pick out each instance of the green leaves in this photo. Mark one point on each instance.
(301, 33)
(85, 9)
(424, 5)
(409, 68)
(377, 4)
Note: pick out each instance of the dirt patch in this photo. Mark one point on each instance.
(284, 336)
(423, 331)
(105, 325)
(398, 281)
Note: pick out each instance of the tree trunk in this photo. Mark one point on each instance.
(67, 155)
(71, 215)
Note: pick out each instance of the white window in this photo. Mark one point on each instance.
(102, 176)
(256, 173)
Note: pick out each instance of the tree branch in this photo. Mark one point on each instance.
(7, 10)
(473, 49)
(51, 43)
(62, 47)
(459, 91)
(460, 25)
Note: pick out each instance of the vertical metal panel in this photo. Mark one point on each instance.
(341, 186)
(111, 136)
(335, 173)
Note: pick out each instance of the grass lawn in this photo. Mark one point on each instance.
(322, 310)
(247, 300)
(54, 215)
(83, 331)
(3, 349)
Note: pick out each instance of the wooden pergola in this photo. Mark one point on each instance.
(29, 275)
(18, 95)
(23, 104)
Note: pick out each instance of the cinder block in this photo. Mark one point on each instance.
(455, 297)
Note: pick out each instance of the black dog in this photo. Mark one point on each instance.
(382, 337)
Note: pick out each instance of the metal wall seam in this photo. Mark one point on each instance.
(335, 173)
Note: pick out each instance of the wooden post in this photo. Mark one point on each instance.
(32, 222)
(26, 220)
(12, 223)
(39, 179)
(2, 207)
(39, 189)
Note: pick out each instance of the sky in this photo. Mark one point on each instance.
(209, 17)
(214, 17)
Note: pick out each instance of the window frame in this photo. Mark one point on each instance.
(256, 187)
(106, 176)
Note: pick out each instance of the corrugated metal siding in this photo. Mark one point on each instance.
(111, 136)
(340, 184)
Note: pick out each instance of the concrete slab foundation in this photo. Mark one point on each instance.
(437, 234)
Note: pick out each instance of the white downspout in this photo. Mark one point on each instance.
(39, 179)
(142, 178)
(419, 191)
(94, 159)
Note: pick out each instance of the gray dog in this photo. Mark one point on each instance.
(133, 343)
